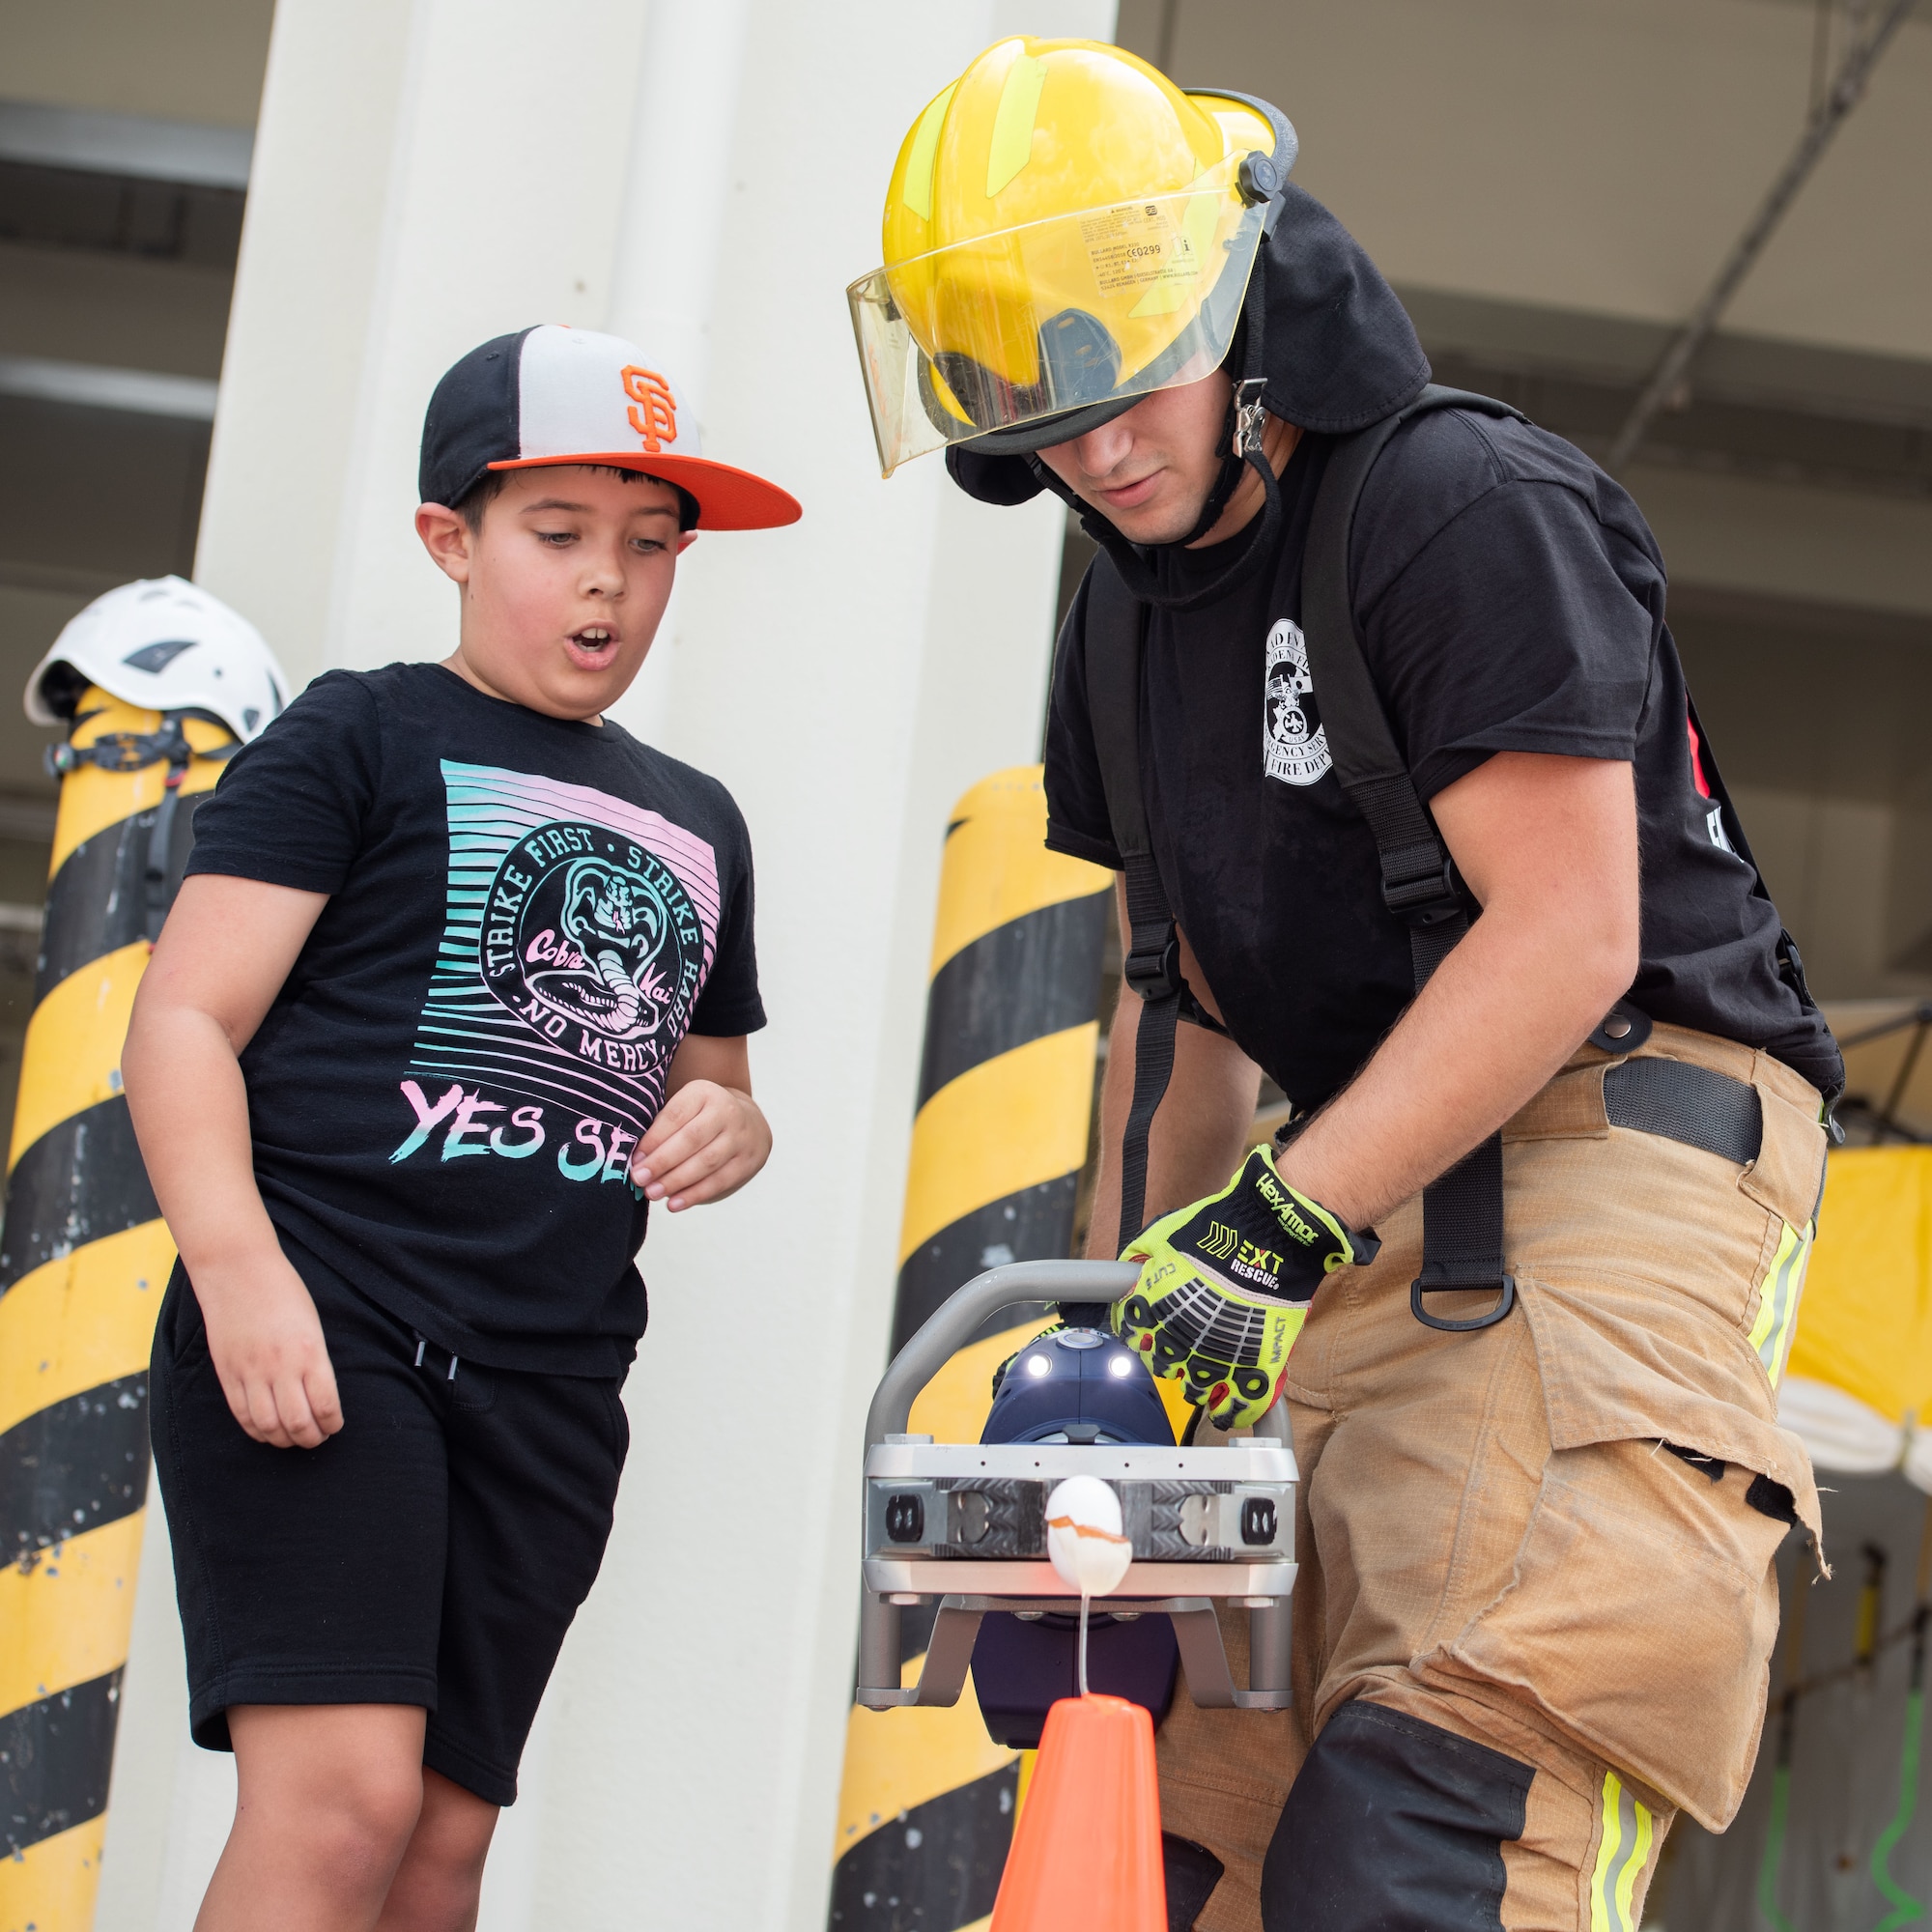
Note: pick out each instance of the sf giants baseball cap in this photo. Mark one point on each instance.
(551, 395)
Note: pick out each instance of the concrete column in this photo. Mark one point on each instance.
(427, 174)
(678, 187)
(848, 678)
(680, 180)
(431, 173)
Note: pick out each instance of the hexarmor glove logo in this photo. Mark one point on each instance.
(1225, 1287)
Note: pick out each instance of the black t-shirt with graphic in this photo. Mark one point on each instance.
(526, 915)
(1510, 598)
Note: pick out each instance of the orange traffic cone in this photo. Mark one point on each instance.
(1086, 1854)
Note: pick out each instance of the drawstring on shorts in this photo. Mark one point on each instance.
(421, 1345)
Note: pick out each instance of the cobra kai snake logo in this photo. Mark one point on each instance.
(593, 941)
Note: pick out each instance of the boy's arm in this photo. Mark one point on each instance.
(709, 1137)
(223, 956)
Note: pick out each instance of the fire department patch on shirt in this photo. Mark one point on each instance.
(1295, 748)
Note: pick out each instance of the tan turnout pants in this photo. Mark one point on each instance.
(1493, 1538)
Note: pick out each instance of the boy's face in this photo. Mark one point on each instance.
(563, 584)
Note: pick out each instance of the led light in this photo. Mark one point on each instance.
(1120, 1365)
(1038, 1364)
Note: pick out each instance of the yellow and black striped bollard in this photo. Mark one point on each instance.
(84, 1257)
(1004, 1094)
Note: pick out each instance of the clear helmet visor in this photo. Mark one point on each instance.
(1007, 329)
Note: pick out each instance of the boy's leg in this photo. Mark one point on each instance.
(438, 1884)
(311, 1585)
(533, 1467)
(305, 1577)
(327, 1798)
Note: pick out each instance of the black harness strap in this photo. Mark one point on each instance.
(1461, 1210)
(1462, 1216)
(1117, 621)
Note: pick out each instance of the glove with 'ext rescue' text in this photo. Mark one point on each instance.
(1226, 1284)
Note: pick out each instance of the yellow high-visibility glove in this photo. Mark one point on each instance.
(1225, 1287)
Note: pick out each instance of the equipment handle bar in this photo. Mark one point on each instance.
(943, 1333)
(950, 1325)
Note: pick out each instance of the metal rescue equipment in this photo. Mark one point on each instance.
(965, 1524)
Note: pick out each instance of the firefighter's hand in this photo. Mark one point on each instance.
(1225, 1287)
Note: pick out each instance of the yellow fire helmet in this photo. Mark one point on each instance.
(1066, 231)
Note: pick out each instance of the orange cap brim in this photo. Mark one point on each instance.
(726, 499)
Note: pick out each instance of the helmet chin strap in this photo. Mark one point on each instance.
(1139, 574)
(1242, 425)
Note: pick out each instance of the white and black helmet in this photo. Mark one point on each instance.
(162, 644)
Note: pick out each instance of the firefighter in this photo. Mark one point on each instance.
(1369, 697)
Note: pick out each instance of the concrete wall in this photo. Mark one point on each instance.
(1655, 128)
(184, 60)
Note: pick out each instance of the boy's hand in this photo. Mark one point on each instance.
(199, 1002)
(265, 1339)
(706, 1143)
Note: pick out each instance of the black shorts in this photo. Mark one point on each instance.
(433, 1551)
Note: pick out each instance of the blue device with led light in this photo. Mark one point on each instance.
(1074, 1386)
(959, 1529)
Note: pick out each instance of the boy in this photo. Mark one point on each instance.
(460, 982)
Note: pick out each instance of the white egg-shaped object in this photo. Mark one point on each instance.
(1083, 1535)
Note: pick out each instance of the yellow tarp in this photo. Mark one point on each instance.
(1865, 1324)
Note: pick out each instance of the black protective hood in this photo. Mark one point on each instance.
(1341, 350)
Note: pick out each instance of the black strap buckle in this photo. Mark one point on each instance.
(1505, 1302)
(124, 752)
(1249, 416)
(1419, 884)
(1154, 975)
(1196, 1014)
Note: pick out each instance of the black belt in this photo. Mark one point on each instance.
(1687, 1104)
(1669, 1097)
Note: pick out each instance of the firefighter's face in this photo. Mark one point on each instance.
(1148, 472)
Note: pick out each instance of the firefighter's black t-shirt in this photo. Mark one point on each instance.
(1510, 598)
(526, 915)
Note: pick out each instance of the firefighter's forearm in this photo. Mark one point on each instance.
(1501, 1016)
(1549, 844)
